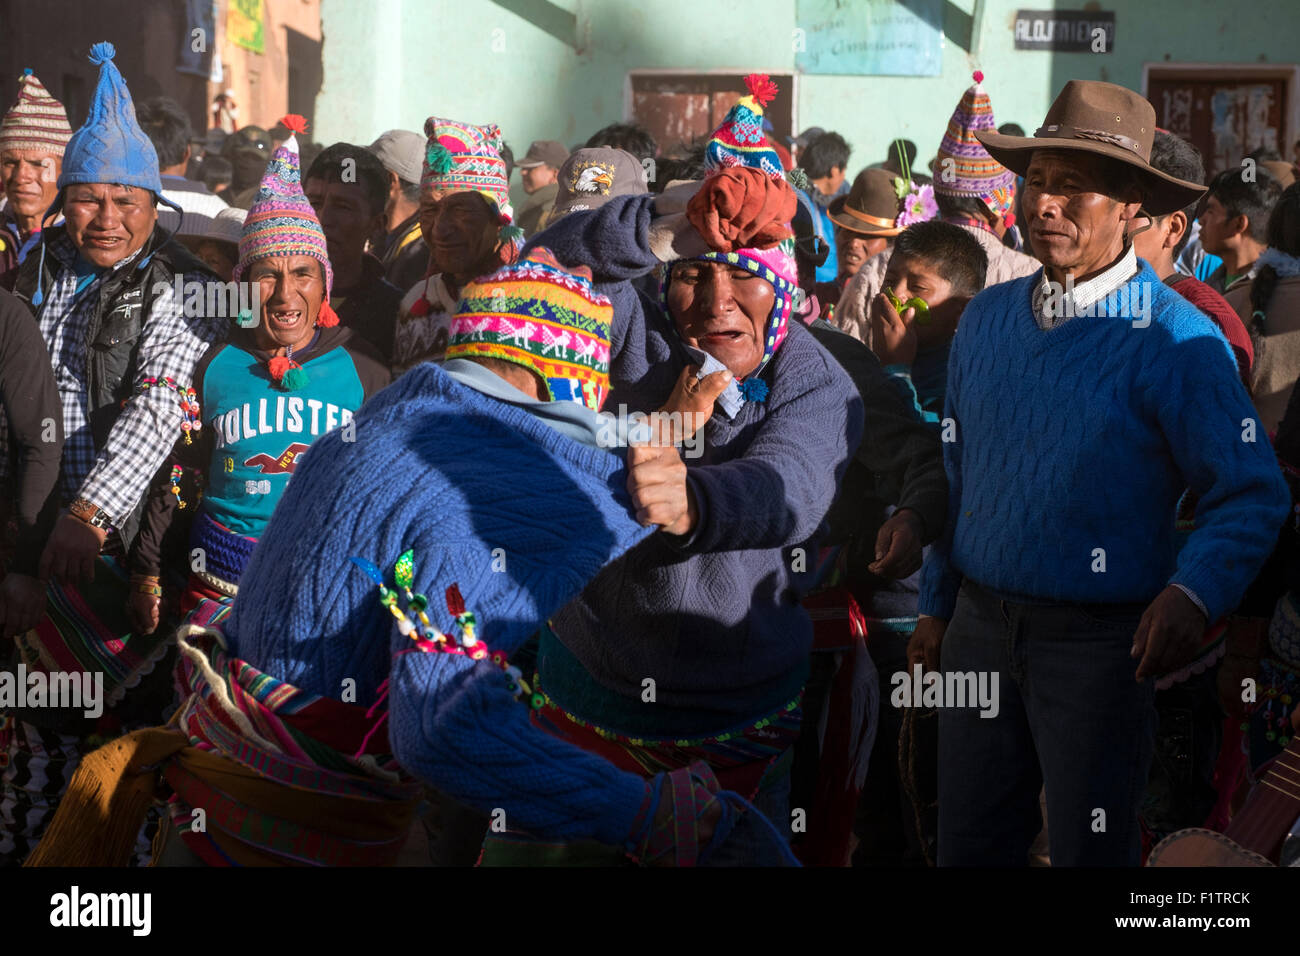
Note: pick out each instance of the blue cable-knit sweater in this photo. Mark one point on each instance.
(713, 618)
(1075, 444)
(489, 497)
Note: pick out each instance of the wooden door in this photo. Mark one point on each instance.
(1224, 117)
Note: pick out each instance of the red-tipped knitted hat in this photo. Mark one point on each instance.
(739, 140)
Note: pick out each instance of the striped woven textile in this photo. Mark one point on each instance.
(85, 629)
(273, 769)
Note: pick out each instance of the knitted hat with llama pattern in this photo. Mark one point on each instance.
(37, 121)
(540, 315)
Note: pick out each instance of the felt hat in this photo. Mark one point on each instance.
(872, 205)
(37, 121)
(111, 147)
(1102, 119)
(589, 178)
(544, 317)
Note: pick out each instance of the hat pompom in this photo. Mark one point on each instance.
(27, 71)
(438, 159)
(978, 76)
(102, 52)
(294, 123)
(761, 87)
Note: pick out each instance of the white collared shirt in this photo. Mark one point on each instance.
(1085, 294)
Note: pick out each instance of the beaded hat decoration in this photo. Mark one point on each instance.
(282, 222)
(540, 315)
(37, 121)
(460, 157)
(964, 167)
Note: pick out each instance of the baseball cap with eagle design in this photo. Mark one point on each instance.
(590, 178)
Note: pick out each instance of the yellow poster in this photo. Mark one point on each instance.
(244, 19)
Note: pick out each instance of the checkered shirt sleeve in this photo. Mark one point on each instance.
(171, 345)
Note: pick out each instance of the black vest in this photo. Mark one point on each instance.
(113, 335)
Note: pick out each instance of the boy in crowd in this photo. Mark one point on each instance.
(824, 162)
(1234, 224)
(943, 266)
(1161, 239)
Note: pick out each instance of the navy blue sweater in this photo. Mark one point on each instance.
(713, 618)
(1075, 444)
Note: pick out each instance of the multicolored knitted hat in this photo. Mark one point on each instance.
(459, 157)
(540, 315)
(282, 222)
(973, 171)
(739, 141)
(37, 121)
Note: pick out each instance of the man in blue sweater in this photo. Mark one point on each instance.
(1083, 402)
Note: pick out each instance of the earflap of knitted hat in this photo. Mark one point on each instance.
(37, 121)
(775, 265)
(964, 167)
(281, 222)
(461, 157)
(110, 147)
(544, 317)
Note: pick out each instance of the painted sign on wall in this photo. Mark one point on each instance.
(869, 37)
(1065, 31)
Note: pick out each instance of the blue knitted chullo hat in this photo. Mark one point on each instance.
(110, 147)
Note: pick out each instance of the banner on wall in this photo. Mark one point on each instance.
(869, 37)
(244, 20)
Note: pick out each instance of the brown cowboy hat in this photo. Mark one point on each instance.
(1089, 116)
(870, 207)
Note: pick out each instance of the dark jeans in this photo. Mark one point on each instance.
(1070, 716)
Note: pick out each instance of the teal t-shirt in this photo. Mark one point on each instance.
(260, 432)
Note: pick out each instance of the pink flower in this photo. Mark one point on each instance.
(918, 206)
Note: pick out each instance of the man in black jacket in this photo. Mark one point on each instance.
(122, 312)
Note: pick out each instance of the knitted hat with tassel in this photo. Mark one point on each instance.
(282, 222)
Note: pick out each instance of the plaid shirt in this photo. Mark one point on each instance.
(117, 476)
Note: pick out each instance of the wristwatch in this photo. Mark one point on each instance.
(94, 516)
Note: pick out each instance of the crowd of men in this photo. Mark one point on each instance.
(714, 508)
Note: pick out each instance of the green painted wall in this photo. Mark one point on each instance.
(393, 62)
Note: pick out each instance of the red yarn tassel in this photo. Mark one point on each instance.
(294, 123)
(327, 318)
(277, 367)
(761, 87)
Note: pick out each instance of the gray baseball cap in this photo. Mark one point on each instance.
(806, 137)
(590, 178)
(544, 152)
(402, 152)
